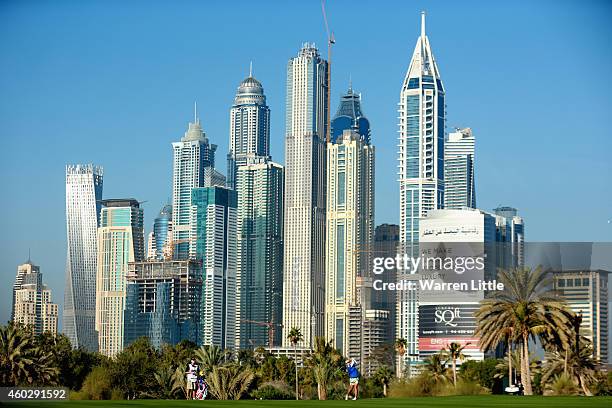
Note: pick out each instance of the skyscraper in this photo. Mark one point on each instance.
(120, 240)
(213, 241)
(260, 254)
(350, 230)
(83, 195)
(305, 178)
(32, 304)
(193, 164)
(421, 165)
(459, 183)
(249, 128)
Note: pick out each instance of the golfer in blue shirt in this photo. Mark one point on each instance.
(353, 373)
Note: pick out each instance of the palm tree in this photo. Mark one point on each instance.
(529, 306)
(325, 364)
(230, 382)
(166, 386)
(324, 374)
(294, 337)
(209, 356)
(22, 361)
(580, 366)
(179, 382)
(400, 347)
(435, 366)
(455, 352)
(383, 376)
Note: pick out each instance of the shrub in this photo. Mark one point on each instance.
(97, 385)
(562, 385)
(463, 387)
(420, 386)
(424, 386)
(269, 392)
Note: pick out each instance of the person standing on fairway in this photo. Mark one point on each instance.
(351, 368)
(192, 378)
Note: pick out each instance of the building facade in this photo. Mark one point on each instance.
(193, 163)
(305, 178)
(422, 115)
(586, 293)
(120, 241)
(260, 254)
(249, 128)
(459, 182)
(213, 242)
(163, 302)
(350, 230)
(83, 195)
(32, 305)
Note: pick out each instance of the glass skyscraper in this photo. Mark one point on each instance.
(421, 165)
(120, 241)
(213, 242)
(249, 140)
(459, 184)
(305, 178)
(260, 253)
(83, 195)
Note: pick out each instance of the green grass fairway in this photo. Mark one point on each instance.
(485, 401)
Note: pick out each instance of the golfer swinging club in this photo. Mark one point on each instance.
(351, 368)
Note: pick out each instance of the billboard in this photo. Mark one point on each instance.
(447, 320)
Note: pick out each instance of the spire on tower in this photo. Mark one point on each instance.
(422, 23)
(251, 70)
(195, 112)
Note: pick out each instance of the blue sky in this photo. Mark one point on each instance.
(114, 84)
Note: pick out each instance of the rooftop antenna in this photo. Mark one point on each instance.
(251, 70)
(29, 257)
(330, 41)
(195, 112)
(422, 23)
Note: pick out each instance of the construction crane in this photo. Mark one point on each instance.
(330, 41)
(271, 328)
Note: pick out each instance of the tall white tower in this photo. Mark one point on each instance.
(83, 195)
(249, 128)
(421, 165)
(193, 162)
(350, 233)
(304, 253)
